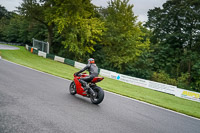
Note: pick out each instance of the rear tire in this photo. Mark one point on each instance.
(72, 88)
(99, 95)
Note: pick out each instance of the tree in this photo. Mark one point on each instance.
(11, 30)
(176, 31)
(41, 12)
(78, 25)
(4, 13)
(4, 18)
(20, 30)
(123, 37)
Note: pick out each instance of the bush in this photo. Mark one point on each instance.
(182, 81)
(195, 86)
(196, 76)
(163, 77)
(139, 73)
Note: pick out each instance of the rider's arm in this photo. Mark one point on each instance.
(82, 70)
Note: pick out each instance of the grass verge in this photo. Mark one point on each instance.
(26, 58)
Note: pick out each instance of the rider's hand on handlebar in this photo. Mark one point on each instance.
(76, 74)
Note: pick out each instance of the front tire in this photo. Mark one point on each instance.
(72, 88)
(99, 95)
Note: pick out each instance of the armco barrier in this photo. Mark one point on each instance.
(69, 62)
(162, 87)
(50, 56)
(35, 51)
(60, 59)
(143, 83)
(27, 47)
(43, 54)
(134, 80)
(169, 89)
(79, 65)
(186, 94)
(106, 73)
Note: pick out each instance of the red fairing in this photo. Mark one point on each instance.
(92, 91)
(79, 88)
(97, 79)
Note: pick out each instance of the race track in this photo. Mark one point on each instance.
(7, 47)
(34, 102)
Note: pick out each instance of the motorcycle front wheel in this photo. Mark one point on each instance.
(99, 95)
(72, 88)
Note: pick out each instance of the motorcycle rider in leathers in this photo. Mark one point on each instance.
(93, 72)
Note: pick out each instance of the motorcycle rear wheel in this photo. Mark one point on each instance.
(99, 95)
(72, 88)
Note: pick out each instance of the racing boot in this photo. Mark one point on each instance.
(86, 88)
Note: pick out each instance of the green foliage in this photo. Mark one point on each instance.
(4, 13)
(84, 36)
(11, 31)
(4, 18)
(163, 78)
(123, 37)
(196, 76)
(143, 66)
(20, 30)
(175, 30)
(139, 72)
(182, 81)
(40, 11)
(78, 26)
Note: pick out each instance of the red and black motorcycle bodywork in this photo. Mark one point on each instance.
(95, 93)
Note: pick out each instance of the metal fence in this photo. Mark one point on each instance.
(41, 46)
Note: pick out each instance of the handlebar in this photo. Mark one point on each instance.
(80, 74)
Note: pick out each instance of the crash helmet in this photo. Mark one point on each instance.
(91, 61)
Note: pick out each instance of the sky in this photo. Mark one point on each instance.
(140, 9)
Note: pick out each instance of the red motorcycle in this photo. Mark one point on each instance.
(95, 93)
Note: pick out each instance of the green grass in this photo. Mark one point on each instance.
(26, 58)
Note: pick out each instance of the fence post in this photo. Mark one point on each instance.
(47, 47)
(33, 42)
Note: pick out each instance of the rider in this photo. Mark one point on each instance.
(93, 70)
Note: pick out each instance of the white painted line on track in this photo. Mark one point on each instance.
(110, 92)
(36, 70)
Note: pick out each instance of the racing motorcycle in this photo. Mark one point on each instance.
(95, 93)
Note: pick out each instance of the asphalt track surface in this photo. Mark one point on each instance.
(34, 102)
(7, 47)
